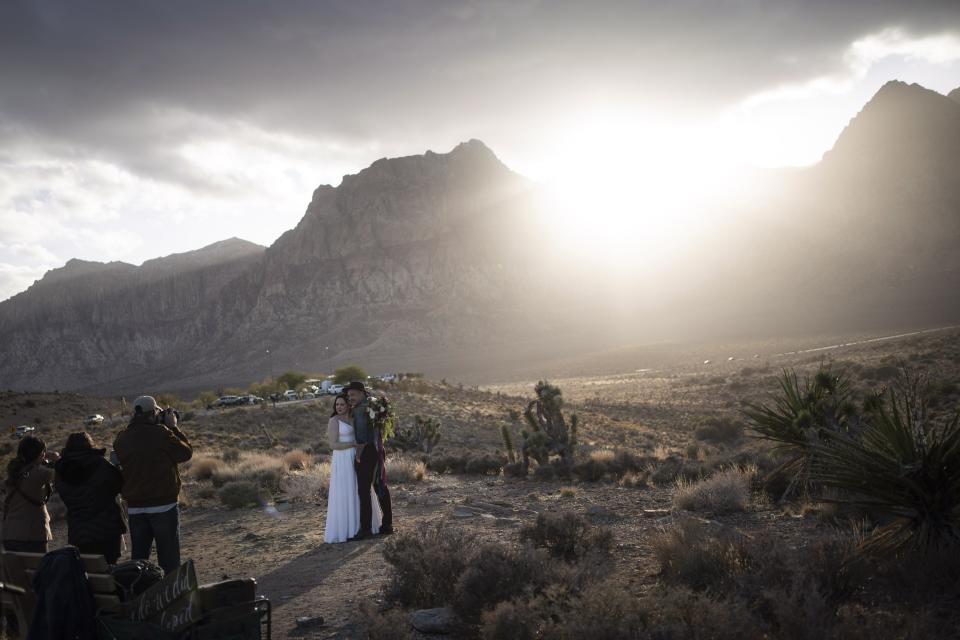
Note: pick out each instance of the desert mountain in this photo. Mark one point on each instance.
(867, 238)
(409, 253)
(437, 262)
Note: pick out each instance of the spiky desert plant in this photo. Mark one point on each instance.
(508, 443)
(549, 433)
(905, 465)
(798, 416)
(422, 435)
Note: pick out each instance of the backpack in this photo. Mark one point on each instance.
(133, 577)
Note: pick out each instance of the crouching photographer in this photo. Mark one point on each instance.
(149, 451)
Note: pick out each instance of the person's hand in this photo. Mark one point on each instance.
(52, 456)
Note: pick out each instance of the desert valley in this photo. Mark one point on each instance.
(657, 345)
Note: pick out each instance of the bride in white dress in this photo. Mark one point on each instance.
(343, 501)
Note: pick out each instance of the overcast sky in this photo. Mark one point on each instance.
(134, 129)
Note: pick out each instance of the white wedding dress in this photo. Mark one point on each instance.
(343, 501)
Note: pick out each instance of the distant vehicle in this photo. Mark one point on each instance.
(94, 419)
(335, 389)
(307, 395)
(388, 377)
(22, 430)
(249, 399)
(290, 394)
(228, 401)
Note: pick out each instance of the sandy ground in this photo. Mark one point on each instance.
(282, 547)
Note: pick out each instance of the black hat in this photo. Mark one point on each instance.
(356, 384)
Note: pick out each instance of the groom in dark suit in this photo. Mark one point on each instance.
(369, 461)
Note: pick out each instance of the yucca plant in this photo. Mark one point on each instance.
(905, 466)
(798, 416)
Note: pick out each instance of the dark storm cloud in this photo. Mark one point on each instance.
(128, 81)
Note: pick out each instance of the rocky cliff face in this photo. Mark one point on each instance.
(417, 251)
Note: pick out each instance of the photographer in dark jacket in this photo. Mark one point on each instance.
(89, 486)
(149, 450)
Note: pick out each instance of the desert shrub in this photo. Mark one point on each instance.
(545, 473)
(204, 467)
(514, 470)
(231, 455)
(241, 493)
(602, 611)
(424, 564)
(512, 620)
(496, 574)
(591, 469)
(724, 492)
(308, 485)
(672, 468)
(297, 459)
(634, 480)
(690, 555)
(568, 492)
(719, 430)
(679, 612)
(603, 462)
(263, 469)
(484, 464)
(392, 624)
(401, 469)
(448, 463)
(568, 536)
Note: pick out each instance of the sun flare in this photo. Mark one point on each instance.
(629, 188)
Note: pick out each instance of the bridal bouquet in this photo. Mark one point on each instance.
(381, 415)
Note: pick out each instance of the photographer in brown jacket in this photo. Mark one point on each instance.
(149, 450)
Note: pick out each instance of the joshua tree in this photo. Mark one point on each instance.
(549, 431)
(423, 435)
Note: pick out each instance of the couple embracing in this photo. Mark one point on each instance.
(358, 503)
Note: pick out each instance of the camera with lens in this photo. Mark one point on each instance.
(163, 414)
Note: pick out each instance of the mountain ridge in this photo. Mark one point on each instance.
(437, 260)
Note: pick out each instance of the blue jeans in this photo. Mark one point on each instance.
(162, 527)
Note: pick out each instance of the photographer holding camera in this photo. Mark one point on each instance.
(149, 450)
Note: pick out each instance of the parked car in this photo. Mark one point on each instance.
(94, 419)
(228, 401)
(335, 389)
(22, 430)
(290, 394)
(249, 399)
(307, 395)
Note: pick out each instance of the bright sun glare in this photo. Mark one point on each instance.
(626, 189)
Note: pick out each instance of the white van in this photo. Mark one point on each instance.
(290, 394)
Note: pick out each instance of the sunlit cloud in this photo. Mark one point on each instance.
(859, 58)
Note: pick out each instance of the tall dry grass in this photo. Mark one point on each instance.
(308, 485)
(726, 491)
